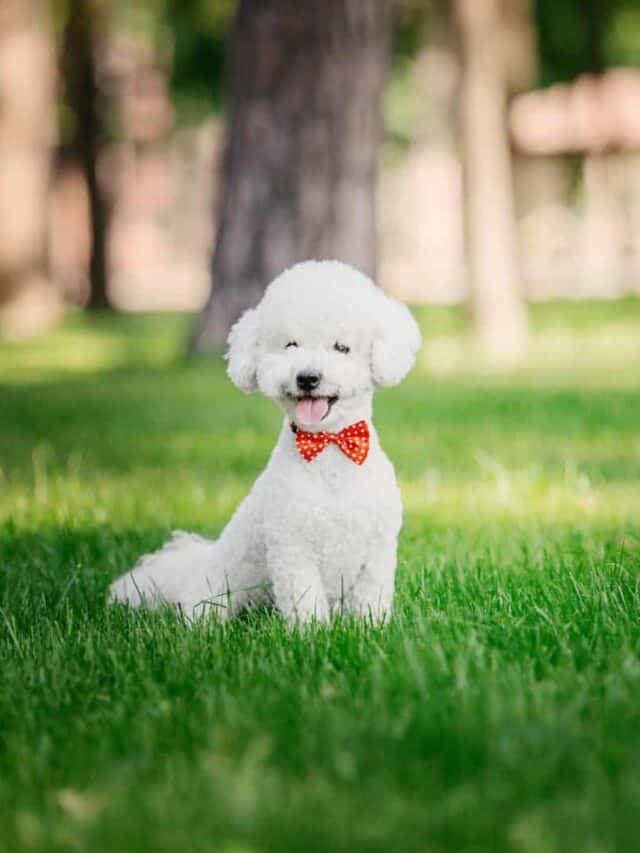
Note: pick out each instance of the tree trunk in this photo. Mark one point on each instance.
(520, 46)
(499, 311)
(28, 300)
(299, 173)
(84, 100)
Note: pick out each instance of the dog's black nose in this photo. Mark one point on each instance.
(308, 380)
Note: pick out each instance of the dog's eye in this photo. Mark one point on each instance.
(341, 348)
(291, 344)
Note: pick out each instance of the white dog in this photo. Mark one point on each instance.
(319, 529)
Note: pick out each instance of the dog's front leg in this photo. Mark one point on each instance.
(297, 586)
(371, 594)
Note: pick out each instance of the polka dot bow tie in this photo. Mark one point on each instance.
(353, 441)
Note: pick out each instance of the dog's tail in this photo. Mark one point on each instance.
(182, 572)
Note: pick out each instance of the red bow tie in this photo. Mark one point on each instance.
(353, 441)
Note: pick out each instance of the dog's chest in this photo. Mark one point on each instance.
(346, 506)
(332, 508)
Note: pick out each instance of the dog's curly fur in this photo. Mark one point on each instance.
(310, 536)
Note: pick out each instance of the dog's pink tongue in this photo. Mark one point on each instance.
(311, 410)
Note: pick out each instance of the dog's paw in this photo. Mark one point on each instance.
(125, 591)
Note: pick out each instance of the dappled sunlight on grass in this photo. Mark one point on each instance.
(584, 345)
(100, 342)
(162, 500)
(526, 495)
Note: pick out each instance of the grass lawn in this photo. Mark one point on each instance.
(500, 709)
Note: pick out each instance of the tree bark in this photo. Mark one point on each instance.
(83, 97)
(499, 310)
(299, 173)
(28, 300)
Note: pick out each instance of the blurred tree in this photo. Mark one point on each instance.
(306, 83)
(200, 32)
(27, 85)
(499, 310)
(82, 40)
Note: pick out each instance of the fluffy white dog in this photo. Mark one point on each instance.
(319, 529)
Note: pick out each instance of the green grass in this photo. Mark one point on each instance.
(499, 711)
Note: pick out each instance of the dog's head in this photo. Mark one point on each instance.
(320, 341)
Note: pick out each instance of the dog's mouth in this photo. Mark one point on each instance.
(312, 410)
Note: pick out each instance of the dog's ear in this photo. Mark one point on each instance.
(242, 353)
(395, 344)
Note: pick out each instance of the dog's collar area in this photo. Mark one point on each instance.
(295, 428)
(353, 441)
